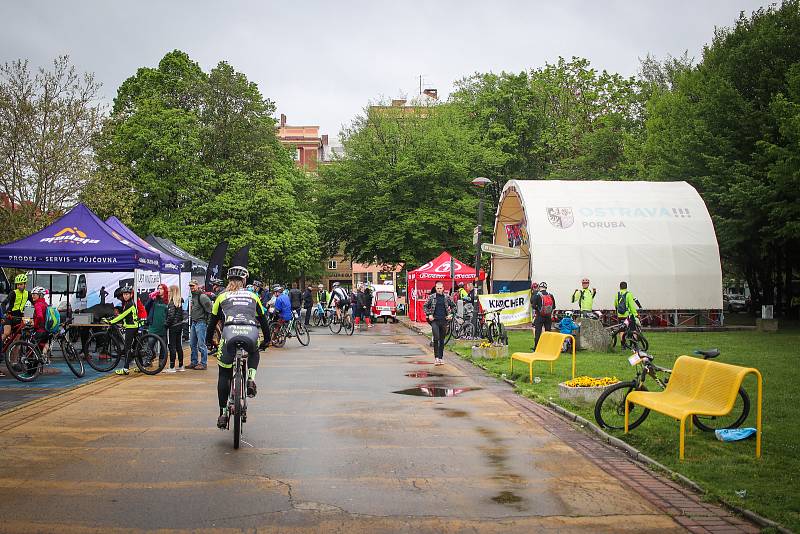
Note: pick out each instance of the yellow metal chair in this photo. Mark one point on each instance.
(547, 350)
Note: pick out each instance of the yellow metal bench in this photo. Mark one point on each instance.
(698, 387)
(547, 350)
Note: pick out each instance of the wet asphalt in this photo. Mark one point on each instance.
(328, 447)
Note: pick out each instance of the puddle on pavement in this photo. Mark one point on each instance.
(434, 391)
(421, 362)
(507, 497)
(422, 374)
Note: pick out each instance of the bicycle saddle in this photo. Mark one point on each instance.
(708, 354)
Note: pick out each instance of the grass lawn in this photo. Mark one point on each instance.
(772, 483)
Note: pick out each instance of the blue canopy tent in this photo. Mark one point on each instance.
(79, 242)
(167, 264)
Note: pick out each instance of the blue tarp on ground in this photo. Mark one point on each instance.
(167, 263)
(78, 241)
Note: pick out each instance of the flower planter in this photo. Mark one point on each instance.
(580, 395)
(500, 351)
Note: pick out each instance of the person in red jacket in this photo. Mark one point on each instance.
(42, 336)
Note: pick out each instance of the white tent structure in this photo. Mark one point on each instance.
(657, 236)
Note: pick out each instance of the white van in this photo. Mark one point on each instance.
(57, 283)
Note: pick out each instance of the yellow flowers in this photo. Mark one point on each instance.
(590, 382)
(485, 345)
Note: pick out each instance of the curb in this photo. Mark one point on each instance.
(633, 452)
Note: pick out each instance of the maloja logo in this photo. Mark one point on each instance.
(560, 217)
(69, 235)
(445, 267)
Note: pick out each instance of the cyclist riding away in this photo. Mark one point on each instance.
(129, 316)
(243, 313)
(340, 299)
(15, 304)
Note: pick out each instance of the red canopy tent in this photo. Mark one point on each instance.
(422, 280)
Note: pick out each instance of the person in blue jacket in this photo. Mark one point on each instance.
(567, 326)
(283, 305)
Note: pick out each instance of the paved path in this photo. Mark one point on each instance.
(329, 448)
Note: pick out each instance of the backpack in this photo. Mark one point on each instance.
(52, 319)
(622, 303)
(547, 305)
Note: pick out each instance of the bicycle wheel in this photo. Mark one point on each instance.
(236, 409)
(301, 332)
(150, 353)
(609, 411)
(451, 327)
(503, 333)
(102, 351)
(466, 331)
(734, 419)
(277, 335)
(317, 318)
(72, 357)
(23, 361)
(335, 325)
(348, 325)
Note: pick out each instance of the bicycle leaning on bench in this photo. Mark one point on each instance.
(609, 411)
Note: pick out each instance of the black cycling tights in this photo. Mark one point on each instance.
(226, 375)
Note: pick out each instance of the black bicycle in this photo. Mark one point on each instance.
(629, 333)
(105, 348)
(25, 360)
(294, 327)
(609, 411)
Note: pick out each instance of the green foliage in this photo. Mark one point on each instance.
(729, 126)
(194, 157)
(403, 192)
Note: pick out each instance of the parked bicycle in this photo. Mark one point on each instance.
(106, 347)
(26, 360)
(321, 315)
(491, 327)
(460, 328)
(609, 411)
(629, 332)
(294, 327)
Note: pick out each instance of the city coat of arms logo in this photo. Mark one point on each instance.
(560, 217)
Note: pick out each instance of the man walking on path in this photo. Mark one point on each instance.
(439, 309)
(199, 312)
(308, 302)
(543, 305)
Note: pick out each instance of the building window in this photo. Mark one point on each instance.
(363, 277)
(297, 154)
(332, 265)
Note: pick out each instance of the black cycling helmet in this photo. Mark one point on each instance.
(126, 289)
(237, 272)
(542, 285)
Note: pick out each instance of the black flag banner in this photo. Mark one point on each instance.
(241, 258)
(215, 263)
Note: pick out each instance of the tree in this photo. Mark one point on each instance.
(402, 193)
(728, 126)
(47, 121)
(200, 158)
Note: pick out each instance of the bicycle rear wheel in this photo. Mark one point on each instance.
(71, 356)
(317, 318)
(734, 419)
(302, 333)
(23, 361)
(348, 325)
(492, 332)
(336, 324)
(102, 351)
(236, 409)
(609, 411)
(277, 335)
(150, 353)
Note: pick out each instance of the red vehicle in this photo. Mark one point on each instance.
(384, 303)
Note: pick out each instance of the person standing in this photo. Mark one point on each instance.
(129, 317)
(355, 303)
(366, 305)
(199, 312)
(15, 304)
(584, 296)
(439, 309)
(322, 296)
(624, 303)
(308, 302)
(157, 315)
(174, 324)
(296, 298)
(543, 305)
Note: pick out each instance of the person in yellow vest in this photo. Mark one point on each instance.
(15, 304)
(584, 296)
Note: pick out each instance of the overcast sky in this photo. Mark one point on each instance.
(322, 62)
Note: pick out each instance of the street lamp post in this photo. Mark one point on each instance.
(481, 184)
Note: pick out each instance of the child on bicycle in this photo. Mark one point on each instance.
(129, 316)
(41, 336)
